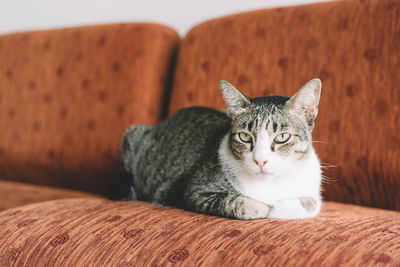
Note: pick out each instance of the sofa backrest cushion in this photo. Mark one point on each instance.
(353, 46)
(67, 95)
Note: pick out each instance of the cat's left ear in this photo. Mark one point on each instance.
(306, 99)
(236, 101)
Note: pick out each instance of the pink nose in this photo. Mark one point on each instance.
(260, 163)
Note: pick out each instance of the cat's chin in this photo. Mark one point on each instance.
(265, 175)
(262, 174)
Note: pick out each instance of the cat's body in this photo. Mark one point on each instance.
(229, 164)
(167, 157)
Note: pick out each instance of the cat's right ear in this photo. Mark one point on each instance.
(235, 100)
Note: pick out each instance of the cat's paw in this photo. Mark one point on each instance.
(309, 204)
(297, 208)
(252, 209)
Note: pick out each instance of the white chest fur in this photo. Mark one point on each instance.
(304, 182)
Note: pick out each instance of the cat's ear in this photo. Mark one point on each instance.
(235, 100)
(305, 101)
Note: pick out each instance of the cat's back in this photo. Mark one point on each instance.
(187, 121)
(187, 137)
(194, 129)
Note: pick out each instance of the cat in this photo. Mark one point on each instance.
(253, 161)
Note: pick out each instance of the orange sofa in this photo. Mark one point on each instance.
(67, 95)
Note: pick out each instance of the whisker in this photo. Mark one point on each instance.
(328, 180)
(321, 142)
(327, 165)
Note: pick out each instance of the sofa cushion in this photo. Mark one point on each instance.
(14, 194)
(75, 232)
(67, 95)
(353, 46)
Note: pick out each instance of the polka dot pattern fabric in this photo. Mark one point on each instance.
(67, 95)
(352, 46)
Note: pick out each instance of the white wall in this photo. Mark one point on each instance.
(23, 15)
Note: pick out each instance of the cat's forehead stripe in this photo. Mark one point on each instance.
(274, 126)
(250, 125)
(273, 110)
(267, 123)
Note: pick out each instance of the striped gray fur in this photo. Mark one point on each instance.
(177, 163)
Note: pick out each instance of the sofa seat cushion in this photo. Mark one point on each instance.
(15, 194)
(75, 232)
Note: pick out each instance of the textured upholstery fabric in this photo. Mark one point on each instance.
(67, 95)
(353, 46)
(78, 232)
(14, 194)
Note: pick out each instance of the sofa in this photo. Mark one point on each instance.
(67, 95)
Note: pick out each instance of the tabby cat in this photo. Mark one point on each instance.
(253, 161)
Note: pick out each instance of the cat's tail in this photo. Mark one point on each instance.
(125, 195)
(122, 187)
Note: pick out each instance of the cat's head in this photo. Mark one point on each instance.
(271, 134)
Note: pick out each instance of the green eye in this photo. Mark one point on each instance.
(245, 137)
(282, 138)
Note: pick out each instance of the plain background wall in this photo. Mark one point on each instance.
(24, 15)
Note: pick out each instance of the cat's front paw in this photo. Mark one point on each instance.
(297, 208)
(253, 209)
(231, 206)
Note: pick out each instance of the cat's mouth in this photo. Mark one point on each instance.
(263, 172)
(259, 173)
